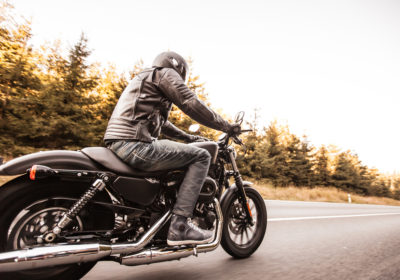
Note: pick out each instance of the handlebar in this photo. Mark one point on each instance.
(235, 138)
(234, 135)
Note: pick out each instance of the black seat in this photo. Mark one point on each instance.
(112, 162)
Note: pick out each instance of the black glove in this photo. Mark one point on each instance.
(235, 129)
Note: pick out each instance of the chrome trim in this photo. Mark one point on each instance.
(153, 255)
(60, 254)
(233, 160)
(126, 248)
(213, 245)
(114, 200)
(52, 255)
(73, 253)
(245, 183)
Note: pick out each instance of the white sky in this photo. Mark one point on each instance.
(330, 69)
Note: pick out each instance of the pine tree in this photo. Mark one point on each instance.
(110, 87)
(299, 161)
(68, 99)
(344, 172)
(274, 165)
(321, 171)
(396, 186)
(20, 83)
(250, 160)
(351, 175)
(380, 185)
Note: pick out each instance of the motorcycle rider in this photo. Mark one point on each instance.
(139, 117)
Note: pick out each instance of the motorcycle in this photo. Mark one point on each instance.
(71, 209)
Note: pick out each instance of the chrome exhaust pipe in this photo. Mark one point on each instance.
(47, 256)
(127, 248)
(52, 255)
(203, 248)
(154, 255)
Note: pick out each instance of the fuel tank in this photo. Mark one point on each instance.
(210, 146)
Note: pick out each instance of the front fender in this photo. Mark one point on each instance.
(233, 189)
(54, 159)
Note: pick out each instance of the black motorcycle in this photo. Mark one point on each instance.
(74, 208)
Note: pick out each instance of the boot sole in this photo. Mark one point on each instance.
(189, 242)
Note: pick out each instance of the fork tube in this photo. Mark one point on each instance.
(240, 187)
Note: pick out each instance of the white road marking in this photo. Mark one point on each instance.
(328, 217)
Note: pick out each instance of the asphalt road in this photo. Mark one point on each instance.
(305, 240)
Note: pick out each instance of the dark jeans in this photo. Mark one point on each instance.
(166, 154)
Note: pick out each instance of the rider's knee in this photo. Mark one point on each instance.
(204, 155)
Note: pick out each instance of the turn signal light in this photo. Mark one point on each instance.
(32, 173)
(39, 172)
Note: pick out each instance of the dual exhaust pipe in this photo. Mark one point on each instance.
(154, 255)
(134, 253)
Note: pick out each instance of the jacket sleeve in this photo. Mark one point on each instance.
(170, 130)
(175, 90)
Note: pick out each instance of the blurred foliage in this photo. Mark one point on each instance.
(52, 99)
(275, 155)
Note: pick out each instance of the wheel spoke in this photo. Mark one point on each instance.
(238, 224)
(37, 224)
(236, 238)
(252, 229)
(247, 235)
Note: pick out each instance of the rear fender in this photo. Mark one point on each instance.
(54, 159)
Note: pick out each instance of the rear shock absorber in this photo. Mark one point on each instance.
(98, 185)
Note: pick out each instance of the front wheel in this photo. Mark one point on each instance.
(240, 239)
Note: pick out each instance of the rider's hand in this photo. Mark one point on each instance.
(234, 129)
(196, 138)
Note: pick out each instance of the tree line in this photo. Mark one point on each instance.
(284, 159)
(53, 98)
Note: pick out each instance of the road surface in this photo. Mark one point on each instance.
(305, 240)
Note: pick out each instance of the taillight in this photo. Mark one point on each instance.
(39, 172)
(32, 173)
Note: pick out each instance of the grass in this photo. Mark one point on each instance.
(322, 194)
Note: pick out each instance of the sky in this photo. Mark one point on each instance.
(328, 69)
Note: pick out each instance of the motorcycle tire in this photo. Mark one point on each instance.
(20, 193)
(236, 229)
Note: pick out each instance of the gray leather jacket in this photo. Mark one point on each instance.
(143, 108)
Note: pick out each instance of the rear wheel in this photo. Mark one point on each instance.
(28, 212)
(241, 239)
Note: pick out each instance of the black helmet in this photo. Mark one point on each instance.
(172, 60)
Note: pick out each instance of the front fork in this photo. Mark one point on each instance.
(240, 187)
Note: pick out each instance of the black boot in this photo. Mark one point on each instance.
(183, 232)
